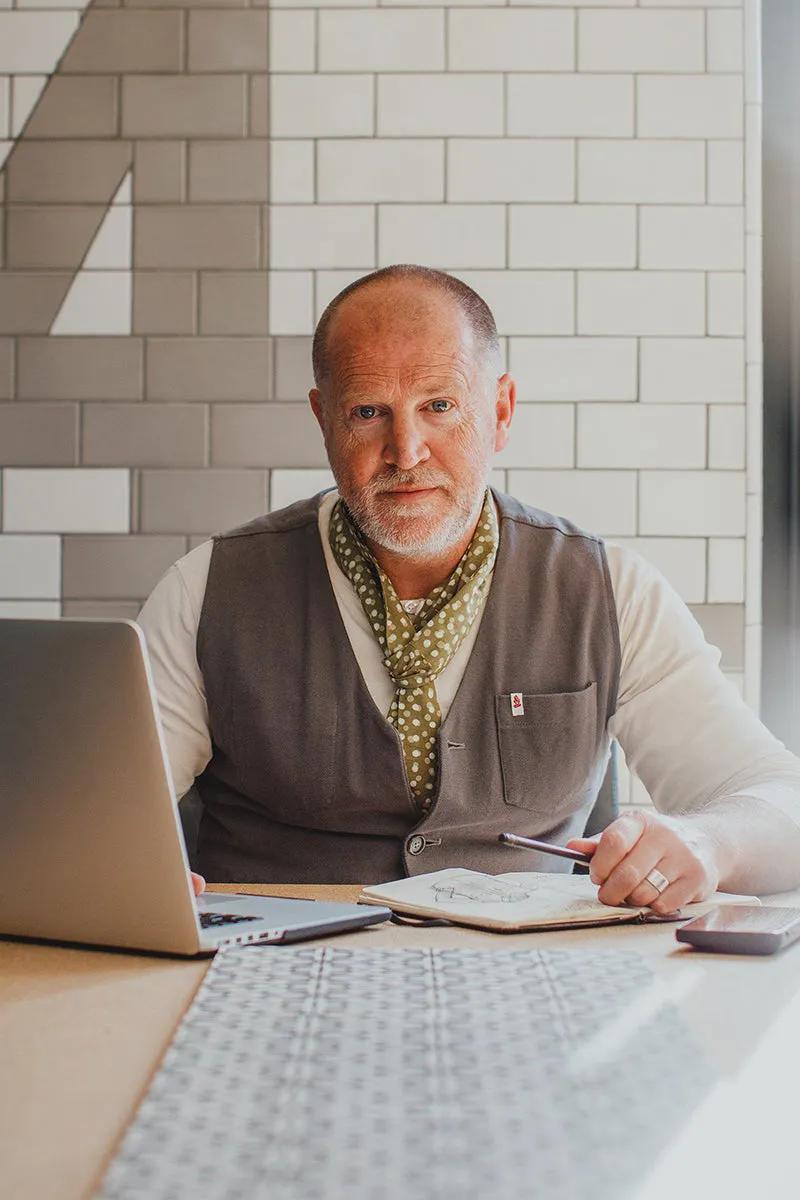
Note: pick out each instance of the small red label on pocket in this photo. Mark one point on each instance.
(517, 707)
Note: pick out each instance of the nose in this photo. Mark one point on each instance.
(406, 446)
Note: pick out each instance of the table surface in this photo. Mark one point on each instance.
(82, 1032)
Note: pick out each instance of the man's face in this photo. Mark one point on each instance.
(411, 417)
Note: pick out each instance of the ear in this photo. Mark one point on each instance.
(316, 402)
(505, 400)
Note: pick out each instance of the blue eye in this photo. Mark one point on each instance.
(366, 411)
(440, 406)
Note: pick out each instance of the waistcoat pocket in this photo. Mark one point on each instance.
(548, 745)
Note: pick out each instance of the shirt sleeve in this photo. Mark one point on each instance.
(169, 619)
(684, 728)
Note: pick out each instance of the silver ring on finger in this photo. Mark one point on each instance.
(657, 880)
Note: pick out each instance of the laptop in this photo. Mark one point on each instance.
(91, 846)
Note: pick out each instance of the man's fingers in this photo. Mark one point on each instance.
(614, 845)
(198, 883)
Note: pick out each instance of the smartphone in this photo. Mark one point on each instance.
(743, 929)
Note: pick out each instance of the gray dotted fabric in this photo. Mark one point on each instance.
(327, 1072)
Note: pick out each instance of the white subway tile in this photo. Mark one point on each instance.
(31, 610)
(291, 172)
(610, 40)
(726, 437)
(74, 500)
(527, 301)
(641, 172)
(753, 216)
(375, 169)
(572, 3)
(322, 235)
(25, 92)
(572, 235)
(726, 172)
(689, 3)
(603, 502)
(33, 42)
(5, 106)
(5, 150)
(692, 237)
(571, 105)
(753, 559)
(440, 105)
(30, 567)
(754, 427)
(510, 169)
(322, 3)
(292, 35)
(508, 39)
(439, 3)
(693, 106)
(574, 368)
(754, 341)
(752, 52)
(725, 49)
(99, 303)
(441, 235)
(291, 302)
(726, 304)
(692, 370)
(321, 106)
(287, 486)
(642, 435)
(682, 562)
(692, 503)
(726, 570)
(542, 435)
(328, 284)
(641, 302)
(381, 40)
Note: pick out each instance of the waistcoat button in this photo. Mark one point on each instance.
(416, 844)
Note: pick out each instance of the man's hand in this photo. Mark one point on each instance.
(198, 883)
(634, 844)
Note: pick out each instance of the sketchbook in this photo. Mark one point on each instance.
(520, 900)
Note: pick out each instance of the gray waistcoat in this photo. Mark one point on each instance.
(307, 780)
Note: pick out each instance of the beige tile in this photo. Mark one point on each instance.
(119, 610)
(227, 41)
(76, 107)
(79, 368)
(194, 3)
(266, 435)
(293, 375)
(723, 626)
(38, 435)
(115, 43)
(259, 106)
(67, 172)
(209, 369)
(116, 568)
(233, 302)
(50, 236)
(159, 172)
(197, 539)
(198, 501)
(183, 106)
(229, 171)
(29, 301)
(144, 435)
(6, 368)
(164, 302)
(196, 236)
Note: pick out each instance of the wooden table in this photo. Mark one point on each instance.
(82, 1031)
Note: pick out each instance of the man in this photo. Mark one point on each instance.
(380, 681)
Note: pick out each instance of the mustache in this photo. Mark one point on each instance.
(392, 480)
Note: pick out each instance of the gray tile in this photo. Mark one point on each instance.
(196, 236)
(159, 173)
(38, 435)
(209, 369)
(116, 568)
(51, 236)
(119, 610)
(118, 42)
(259, 106)
(79, 368)
(67, 172)
(723, 626)
(164, 302)
(29, 301)
(266, 435)
(76, 107)
(229, 171)
(198, 501)
(144, 435)
(293, 375)
(183, 106)
(6, 368)
(227, 41)
(233, 302)
(194, 3)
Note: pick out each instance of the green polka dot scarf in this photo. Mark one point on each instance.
(416, 647)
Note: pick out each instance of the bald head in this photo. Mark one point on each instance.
(404, 299)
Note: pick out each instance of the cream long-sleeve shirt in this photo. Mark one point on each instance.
(684, 728)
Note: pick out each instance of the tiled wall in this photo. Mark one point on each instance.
(197, 179)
